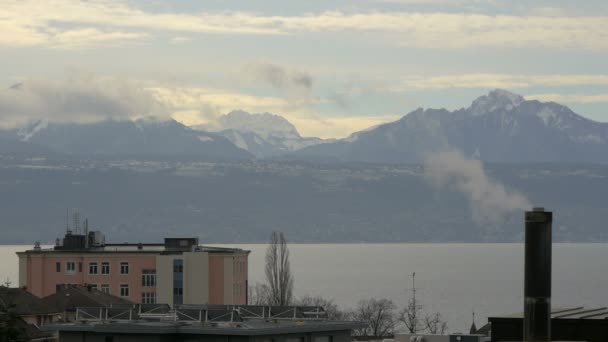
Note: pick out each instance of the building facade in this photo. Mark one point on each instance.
(178, 271)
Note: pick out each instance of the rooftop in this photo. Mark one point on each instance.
(94, 242)
(74, 296)
(167, 327)
(24, 303)
(578, 312)
(204, 319)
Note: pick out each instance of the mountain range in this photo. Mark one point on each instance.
(264, 135)
(139, 138)
(497, 127)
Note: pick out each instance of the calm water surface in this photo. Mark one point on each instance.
(453, 279)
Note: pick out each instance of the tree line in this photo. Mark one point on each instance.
(382, 317)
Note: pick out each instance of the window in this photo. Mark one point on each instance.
(70, 267)
(148, 278)
(148, 297)
(105, 288)
(124, 290)
(79, 267)
(178, 281)
(93, 286)
(124, 268)
(105, 268)
(92, 268)
(58, 266)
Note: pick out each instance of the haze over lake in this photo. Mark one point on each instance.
(453, 279)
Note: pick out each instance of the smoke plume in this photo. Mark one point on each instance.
(490, 200)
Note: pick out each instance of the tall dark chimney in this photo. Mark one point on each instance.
(537, 278)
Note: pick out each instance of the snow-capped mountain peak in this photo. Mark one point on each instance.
(263, 134)
(263, 124)
(498, 127)
(495, 100)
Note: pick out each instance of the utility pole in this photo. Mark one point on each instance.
(415, 306)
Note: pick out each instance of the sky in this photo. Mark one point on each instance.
(331, 67)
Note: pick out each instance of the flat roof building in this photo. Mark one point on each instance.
(207, 323)
(567, 324)
(440, 338)
(178, 271)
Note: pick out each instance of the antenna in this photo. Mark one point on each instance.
(67, 220)
(86, 233)
(76, 221)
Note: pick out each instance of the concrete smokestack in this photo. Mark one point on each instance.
(537, 279)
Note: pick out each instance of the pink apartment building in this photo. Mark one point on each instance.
(178, 271)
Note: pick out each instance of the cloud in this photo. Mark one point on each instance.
(224, 100)
(92, 37)
(180, 40)
(434, 2)
(277, 76)
(197, 105)
(295, 85)
(493, 80)
(333, 126)
(79, 98)
(577, 98)
(31, 22)
(490, 200)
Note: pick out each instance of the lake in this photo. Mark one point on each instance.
(453, 279)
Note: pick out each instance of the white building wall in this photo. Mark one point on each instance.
(164, 278)
(196, 278)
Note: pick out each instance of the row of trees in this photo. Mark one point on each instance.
(382, 316)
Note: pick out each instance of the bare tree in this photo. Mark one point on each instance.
(259, 294)
(332, 310)
(278, 271)
(435, 325)
(379, 314)
(414, 318)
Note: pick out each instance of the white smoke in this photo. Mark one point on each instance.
(490, 200)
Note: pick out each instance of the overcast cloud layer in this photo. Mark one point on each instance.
(330, 67)
(80, 98)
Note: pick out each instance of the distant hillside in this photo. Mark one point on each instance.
(245, 201)
(124, 138)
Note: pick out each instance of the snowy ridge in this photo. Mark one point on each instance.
(500, 127)
(263, 135)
